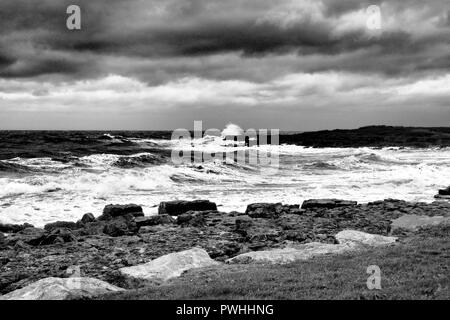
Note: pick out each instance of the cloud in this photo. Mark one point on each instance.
(217, 59)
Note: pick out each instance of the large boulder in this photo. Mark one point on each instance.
(170, 266)
(62, 289)
(358, 239)
(270, 210)
(112, 211)
(177, 207)
(327, 203)
(413, 222)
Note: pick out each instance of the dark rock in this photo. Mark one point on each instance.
(116, 210)
(270, 210)
(124, 225)
(13, 228)
(31, 236)
(88, 218)
(59, 235)
(154, 220)
(177, 207)
(243, 224)
(327, 203)
(445, 192)
(192, 218)
(61, 224)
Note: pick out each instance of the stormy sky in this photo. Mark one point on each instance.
(161, 64)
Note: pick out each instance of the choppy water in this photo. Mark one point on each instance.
(49, 176)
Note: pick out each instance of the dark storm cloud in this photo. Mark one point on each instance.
(157, 30)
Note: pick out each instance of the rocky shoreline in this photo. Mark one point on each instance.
(122, 236)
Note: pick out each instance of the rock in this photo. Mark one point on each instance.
(243, 224)
(177, 207)
(62, 289)
(192, 218)
(413, 222)
(154, 220)
(124, 225)
(31, 236)
(59, 235)
(327, 203)
(61, 224)
(349, 240)
(270, 210)
(287, 255)
(13, 228)
(170, 266)
(88, 218)
(355, 238)
(116, 210)
(445, 192)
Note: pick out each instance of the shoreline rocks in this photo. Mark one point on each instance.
(348, 240)
(125, 238)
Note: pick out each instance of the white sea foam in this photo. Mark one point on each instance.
(63, 191)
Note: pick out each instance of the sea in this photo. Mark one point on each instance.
(48, 176)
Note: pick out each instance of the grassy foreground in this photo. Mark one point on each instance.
(416, 268)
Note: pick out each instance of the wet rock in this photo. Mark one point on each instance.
(124, 225)
(192, 218)
(445, 192)
(171, 265)
(116, 210)
(270, 210)
(61, 224)
(88, 218)
(154, 220)
(62, 289)
(243, 224)
(59, 235)
(327, 203)
(177, 207)
(31, 236)
(13, 228)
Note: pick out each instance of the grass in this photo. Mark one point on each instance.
(416, 268)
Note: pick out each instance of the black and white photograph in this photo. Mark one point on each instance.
(236, 151)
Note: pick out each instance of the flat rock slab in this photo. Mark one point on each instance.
(287, 255)
(62, 289)
(413, 222)
(356, 239)
(171, 265)
(349, 240)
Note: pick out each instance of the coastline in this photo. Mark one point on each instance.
(122, 236)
